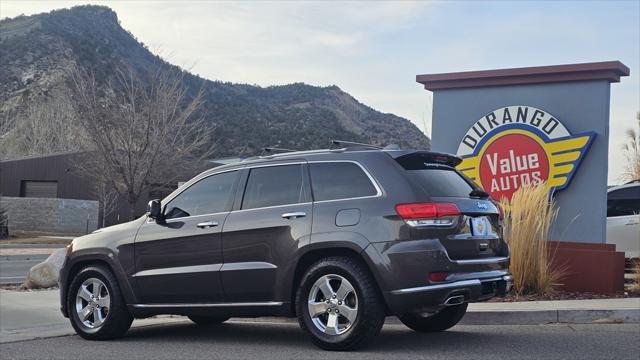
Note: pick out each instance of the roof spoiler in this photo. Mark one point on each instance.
(414, 160)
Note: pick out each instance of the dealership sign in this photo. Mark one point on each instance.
(519, 145)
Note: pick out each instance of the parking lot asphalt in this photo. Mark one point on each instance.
(243, 340)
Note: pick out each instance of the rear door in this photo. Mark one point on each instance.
(344, 196)
(273, 215)
(180, 261)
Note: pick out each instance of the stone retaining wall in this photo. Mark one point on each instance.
(51, 216)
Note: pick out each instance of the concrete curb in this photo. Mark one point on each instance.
(539, 317)
(522, 317)
(24, 257)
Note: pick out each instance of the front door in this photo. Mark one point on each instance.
(260, 237)
(180, 261)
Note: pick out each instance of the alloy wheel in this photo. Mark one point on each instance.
(333, 304)
(92, 303)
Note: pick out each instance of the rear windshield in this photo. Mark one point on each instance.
(442, 182)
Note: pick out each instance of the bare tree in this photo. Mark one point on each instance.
(632, 152)
(106, 194)
(46, 127)
(143, 130)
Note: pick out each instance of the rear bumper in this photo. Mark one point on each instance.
(467, 287)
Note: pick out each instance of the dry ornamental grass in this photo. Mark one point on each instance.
(636, 279)
(528, 219)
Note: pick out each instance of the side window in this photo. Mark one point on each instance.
(339, 180)
(274, 185)
(623, 202)
(209, 195)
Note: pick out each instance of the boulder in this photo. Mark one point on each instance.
(46, 273)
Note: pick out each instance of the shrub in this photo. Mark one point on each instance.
(528, 219)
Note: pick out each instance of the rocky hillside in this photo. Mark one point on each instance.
(36, 52)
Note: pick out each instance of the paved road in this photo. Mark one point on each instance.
(15, 271)
(236, 340)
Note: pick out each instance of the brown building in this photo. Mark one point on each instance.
(57, 176)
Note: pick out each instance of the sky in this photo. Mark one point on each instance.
(374, 50)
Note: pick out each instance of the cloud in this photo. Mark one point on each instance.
(374, 49)
(337, 40)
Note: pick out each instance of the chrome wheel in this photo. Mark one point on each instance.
(333, 304)
(92, 303)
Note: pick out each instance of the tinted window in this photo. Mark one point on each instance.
(446, 182)
(207, 196)
(625, 201)
(339, 180)
(274, 185)
(623, 207)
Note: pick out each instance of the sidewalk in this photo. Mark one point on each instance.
(36, 314)
(559, 311)
(30, 315)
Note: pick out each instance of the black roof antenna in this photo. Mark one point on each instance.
(342, 142)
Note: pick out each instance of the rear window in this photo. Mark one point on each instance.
(442, 182)
(339, 180)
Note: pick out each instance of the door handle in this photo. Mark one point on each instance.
(207, 224)
(294, 215)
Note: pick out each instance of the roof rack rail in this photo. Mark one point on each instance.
(271, 150)
(340, 142)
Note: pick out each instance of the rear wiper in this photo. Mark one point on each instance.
(479, 193)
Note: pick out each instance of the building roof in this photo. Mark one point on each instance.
(608, 70)
(31, 157)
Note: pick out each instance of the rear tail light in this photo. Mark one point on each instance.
(428, 214)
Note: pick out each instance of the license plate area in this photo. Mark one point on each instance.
(481, 226)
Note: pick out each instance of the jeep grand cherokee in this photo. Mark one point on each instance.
(339, 238)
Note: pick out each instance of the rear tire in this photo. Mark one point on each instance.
(348, 310)
(440, 321)
(94, 295)
(208, 320)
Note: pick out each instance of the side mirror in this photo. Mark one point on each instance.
(154, 208)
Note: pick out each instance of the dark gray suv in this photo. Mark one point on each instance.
(339, 238)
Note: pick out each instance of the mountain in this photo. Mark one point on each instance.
(37, 51)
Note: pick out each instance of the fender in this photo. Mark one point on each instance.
(327, 244)
(95, 255)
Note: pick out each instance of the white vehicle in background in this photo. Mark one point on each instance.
(623, 218)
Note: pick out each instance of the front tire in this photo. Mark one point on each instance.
(97, 310)
(440, 321)
(339, 305)
(208, 320)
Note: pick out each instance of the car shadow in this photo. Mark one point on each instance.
(392, 337)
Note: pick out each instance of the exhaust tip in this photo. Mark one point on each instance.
(454, 300)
